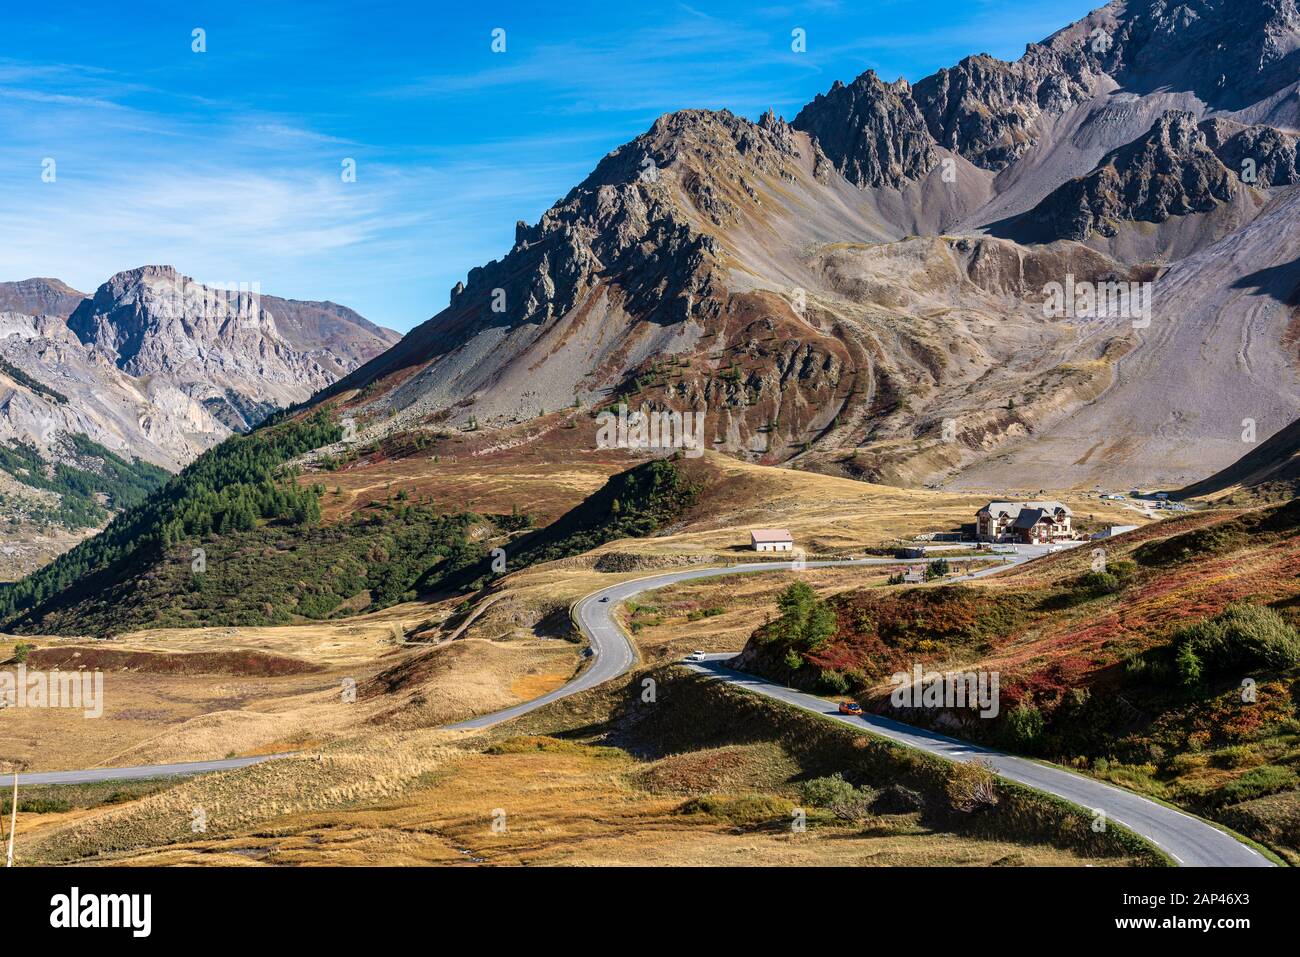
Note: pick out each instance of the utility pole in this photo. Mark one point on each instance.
(13, 822)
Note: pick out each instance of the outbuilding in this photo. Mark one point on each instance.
(771, 540)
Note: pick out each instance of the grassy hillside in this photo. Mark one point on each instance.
(1175, 671)
(642, 501)
(233, 487)
(422, 797)
(274, 573)
(236, 540)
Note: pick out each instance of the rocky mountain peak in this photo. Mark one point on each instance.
(158, 366)
(987, 109)
(1175, 133)
(222, 346)
(873, 132)
(719, 241)
(626, 220)
(1230, 53)
(153, 319)
(1260, 155)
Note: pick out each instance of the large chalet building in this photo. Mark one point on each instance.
(1026, 523)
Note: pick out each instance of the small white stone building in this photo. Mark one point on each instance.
(1112, 531)
(771, 540)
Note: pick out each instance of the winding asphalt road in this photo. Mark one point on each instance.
(1188, 840)
(612, 655)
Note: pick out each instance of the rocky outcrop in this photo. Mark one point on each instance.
(1230, 53)
(152, 419)
(622, 225)
(629, 257)
(873, 132)
(159, 367)
(1259, 155)
(1171, 171)
(797, 279)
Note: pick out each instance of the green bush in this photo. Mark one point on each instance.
(838, 796)
(1236, 756)
(35, 806)
(937, 568)
(1257, 782)
(825, 791)
(833, 682)
(1153, 665)
(700, 613)
(744, 809)
(1188, 662)
(1123, 569)
(1024, 726)
(1239, 635)
(1097, 584)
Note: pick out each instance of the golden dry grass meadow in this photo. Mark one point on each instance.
(377, 782)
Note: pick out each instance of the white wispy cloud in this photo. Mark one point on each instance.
(242, 196)
(694, 59)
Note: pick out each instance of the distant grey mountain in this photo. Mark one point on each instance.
(158, 366)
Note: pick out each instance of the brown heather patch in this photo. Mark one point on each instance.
(545, 467)
(241, 662)
(737, 768)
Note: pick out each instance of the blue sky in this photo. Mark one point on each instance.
(227, 163)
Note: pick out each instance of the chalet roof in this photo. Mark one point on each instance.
(1028, 518)
(1012, 509)
(770, 535)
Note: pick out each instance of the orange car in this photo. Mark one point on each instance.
(850, 707)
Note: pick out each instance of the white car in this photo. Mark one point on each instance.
(695, 656)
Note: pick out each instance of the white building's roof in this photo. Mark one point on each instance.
(768, 535)
(1013, 509)
(1114, 530)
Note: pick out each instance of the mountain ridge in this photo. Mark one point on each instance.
(836, 291)
(698, 242)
